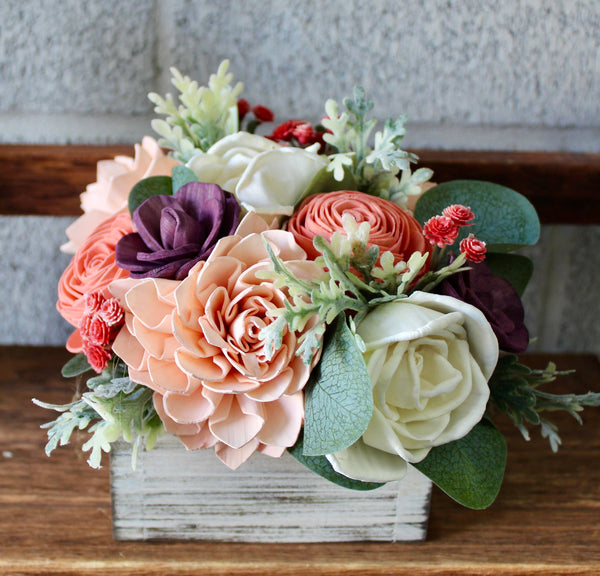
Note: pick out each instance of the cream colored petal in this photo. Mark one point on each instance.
(275, 180)
(361, 462)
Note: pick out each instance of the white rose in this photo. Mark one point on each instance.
(276, 180)
(265, 177)
(429, 358)
(226, 160)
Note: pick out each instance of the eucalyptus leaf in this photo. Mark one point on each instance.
(338, 397)
(516, 268)
(321, 466)
(76, 366)
(469, 470)
(148, 187)
(504, 219)
(181, 176)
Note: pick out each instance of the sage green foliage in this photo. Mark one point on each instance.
(324, 181)
(147, 188)
(469, 470)
(375, 165)
(181, 176)
(516, 268)
(504, 219)
(205, 114)
(76, 366)
(515, 392)
(338, 400)
(321, 466)
(339, 289)
(113, 407)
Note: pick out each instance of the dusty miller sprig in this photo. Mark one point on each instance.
(113, 407)
(374, 167)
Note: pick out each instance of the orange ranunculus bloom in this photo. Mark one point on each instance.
(392, 228)
(92, 269)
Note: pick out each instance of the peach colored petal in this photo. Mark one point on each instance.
(189, 408)
(115, 179)
(272, 451)
(153, 301)
(168, 377)
(172, 427)
(209, 369)
(283, 420)
(235, 457)
(236, 420)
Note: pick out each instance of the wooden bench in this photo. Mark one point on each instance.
(55, 514)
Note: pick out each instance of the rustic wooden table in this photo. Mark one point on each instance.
(55, 515)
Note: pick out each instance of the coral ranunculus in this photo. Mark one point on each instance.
(91, 269)
(392, 229)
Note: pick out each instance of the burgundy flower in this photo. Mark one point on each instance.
(496, 298)
(176, 232)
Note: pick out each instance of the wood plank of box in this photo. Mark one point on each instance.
(55, 513)
(564, 187)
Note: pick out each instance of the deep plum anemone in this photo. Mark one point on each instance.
(496, 297)
(176, 232)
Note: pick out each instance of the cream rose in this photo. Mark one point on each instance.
(265, 177)
(429, 358)
(225, 162)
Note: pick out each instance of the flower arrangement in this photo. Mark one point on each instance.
(303, 291)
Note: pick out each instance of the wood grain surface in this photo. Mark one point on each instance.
(564, 187)
(55, 513)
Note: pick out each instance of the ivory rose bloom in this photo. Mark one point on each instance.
(114, 180)
(392, 229)
(196, 344)
(265, 177)
(91, 269)
(429, 358)
(226, 160)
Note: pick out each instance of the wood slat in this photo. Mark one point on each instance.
(55, 514)
(564, 187)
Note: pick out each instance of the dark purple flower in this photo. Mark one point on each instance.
(496, 298)
(176, 232)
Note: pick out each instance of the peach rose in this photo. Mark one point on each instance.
(109, 194)
(392, 229)
(91, 269)
(195, 343)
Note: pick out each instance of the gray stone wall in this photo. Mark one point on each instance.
(470, 74)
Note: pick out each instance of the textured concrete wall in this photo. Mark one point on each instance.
(469, 73)
(480, 74)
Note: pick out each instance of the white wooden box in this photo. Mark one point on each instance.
(180, 495)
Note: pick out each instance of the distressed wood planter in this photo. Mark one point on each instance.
(181, 495)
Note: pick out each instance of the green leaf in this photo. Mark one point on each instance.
(504, 219)
(324, 181)
(338, 397)
(182, 175)
(321, 466)
(148, 187)
(469, 470)
(76, 366)
(517, 269)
